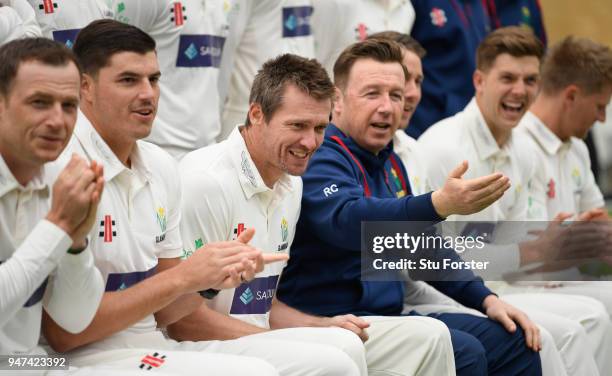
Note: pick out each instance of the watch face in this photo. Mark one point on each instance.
(209, 294)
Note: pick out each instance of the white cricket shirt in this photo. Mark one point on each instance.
(224, 194)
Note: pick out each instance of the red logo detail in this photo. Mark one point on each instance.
(178, 13)
(150, 361)
(362, 32)
(438, 17)
(48, 6)
(551, 189)
(239, 229)
(107, 229)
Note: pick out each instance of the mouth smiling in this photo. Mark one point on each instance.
(381, 125)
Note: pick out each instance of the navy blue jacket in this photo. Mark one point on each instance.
(526, 13)
(323, 273)
(450, 31)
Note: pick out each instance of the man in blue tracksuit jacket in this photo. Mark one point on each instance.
(450, 31)
(524, 13)
(366, 181)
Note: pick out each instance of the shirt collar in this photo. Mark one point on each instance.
(250, 180)
(484, 142)
(542, 134)
(8, 182)
(96, 149)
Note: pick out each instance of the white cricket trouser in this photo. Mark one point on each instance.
(584, 311)
(565, 346)
(248, 355)
(402, 345)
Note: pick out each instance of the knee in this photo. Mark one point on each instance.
(346, 341)
(470, 354)
(517, 358)
(331, 361)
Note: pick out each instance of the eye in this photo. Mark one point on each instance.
(320, 129)
(397, 96)
(69, 107)
(127, 80)
(39, 103)
(154, 80)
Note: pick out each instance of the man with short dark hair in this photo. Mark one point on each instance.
(251, 180)
(370, 185)
(136, 241)
(44, 258)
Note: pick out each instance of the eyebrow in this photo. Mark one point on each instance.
(47, 96)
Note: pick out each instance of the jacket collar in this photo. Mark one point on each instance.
(369, 160)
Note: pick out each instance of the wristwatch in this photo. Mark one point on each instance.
(209, 294)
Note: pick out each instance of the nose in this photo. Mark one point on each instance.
(56, 119)
(147, 90)
(519, 88)
(385, 106)
(311, 140)
(411, 91)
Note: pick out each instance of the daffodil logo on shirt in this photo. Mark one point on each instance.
(284, 226)
(162, 222)
(576, 177)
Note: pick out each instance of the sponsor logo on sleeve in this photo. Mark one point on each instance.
(284, 227)
(162, 222)
(296, 21)
(66, 37)
(200, 51)
(121, 281)
(254, 297)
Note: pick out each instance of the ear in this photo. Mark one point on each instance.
(338, 104)
(256, 116)
(570, 94)
(87, 87)
(478, 79)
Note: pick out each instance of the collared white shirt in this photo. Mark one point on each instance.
(224, 194)
(31, 250)
(138, 215)
(564, 169)
(409, 152)
(61, 20)
(190, 36)
(466, 136)
(259, 30)
(338, 23)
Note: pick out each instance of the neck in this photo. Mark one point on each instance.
(268, 172)
(500, 135)
(22, 171)
(121, 146)
(547, 110)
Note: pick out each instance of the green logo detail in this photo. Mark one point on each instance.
(161, 219)
(120, 7)
(198, 243)
(284, 229)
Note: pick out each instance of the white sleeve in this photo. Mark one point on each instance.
(28, 18)
(11, 25)
(29, 266)
(206, 211)
(74, 292)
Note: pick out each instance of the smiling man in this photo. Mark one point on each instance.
(250, 181)
(136, 241)
(506, 82)
(323, 276)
